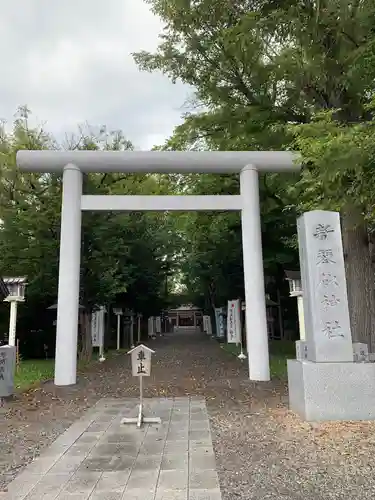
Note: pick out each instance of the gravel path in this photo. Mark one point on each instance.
(263, 451)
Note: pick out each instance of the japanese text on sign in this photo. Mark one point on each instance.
(325, 257)
(331, 327)
(2, 365)
(234, 322)
(328, 279)
(322, 231)
(141, 367)
(324, 291)
(141, 361)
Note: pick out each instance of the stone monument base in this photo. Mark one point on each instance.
(332, 391)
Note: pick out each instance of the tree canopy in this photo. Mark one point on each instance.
(124, 255)
(285, 75)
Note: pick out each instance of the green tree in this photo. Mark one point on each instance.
(123, 255)
(264, 71)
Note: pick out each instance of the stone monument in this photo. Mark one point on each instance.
(325, 383)
(360, 352)
(301, 350)
(7, 368)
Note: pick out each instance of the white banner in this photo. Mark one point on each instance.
(207, 328)
(220, 326)
(97, 327)
(101, 325)
(234, 322)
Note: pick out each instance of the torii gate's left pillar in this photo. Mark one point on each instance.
(69, 275)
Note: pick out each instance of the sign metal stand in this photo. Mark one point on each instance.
(97, 331)
(141, 367)
(234, 325)
(241, 355)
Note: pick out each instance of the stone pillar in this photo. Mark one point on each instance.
(7, 370)
(256, 318)
(325, 383)
(327, 323)
(69, 273)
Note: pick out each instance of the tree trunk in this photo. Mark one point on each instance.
(211, 295)
(359, 278)
(85, 354)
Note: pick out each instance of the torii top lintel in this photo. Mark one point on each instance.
(219, 162)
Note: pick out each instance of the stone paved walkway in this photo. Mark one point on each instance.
(98, 458)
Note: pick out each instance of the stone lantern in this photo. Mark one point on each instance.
(16, 287)
(295, 290)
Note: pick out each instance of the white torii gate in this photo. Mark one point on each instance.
(73, 163)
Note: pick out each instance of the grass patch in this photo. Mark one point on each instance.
(112, 353)
(32, 372)
(280, 351)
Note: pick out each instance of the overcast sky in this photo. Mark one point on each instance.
(70, 62)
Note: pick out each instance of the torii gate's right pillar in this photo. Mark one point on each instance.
(256, 319)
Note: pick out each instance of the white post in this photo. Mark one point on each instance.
(102, 333)
(69, 271)
(101, 353)
(12, 323)
(301, 317)
(256, 319)
(118, 331)
(141, 392)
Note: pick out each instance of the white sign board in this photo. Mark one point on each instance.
(141, 367)
(141, 361)
(234, 322)
(97, 327)
(207, 327)
(325, 301)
